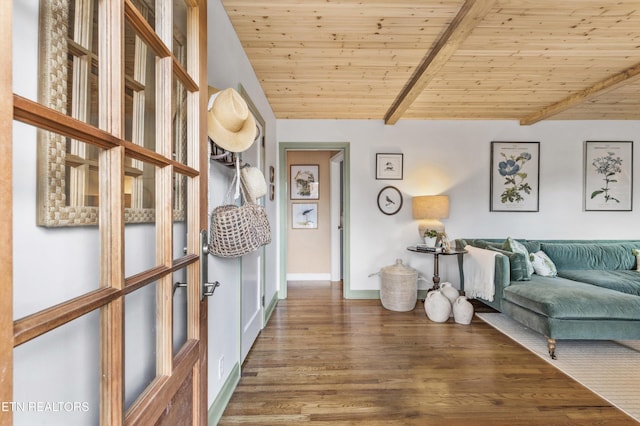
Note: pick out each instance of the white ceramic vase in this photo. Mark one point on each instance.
(430, 241)
(462, 310)
(449, 291)
(437, 306)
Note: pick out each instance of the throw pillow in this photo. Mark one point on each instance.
(517, 264)
(636, 253)
(516, 247)
(542, 265)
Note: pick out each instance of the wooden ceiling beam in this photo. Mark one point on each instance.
(469, 16)
(610, 83)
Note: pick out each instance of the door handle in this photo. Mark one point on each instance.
(206, 288)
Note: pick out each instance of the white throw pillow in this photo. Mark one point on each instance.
(543, 265)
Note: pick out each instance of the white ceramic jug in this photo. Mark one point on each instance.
(449, 291)
(437, 306)
(462, 310)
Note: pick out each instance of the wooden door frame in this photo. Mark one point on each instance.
(191, 361)
(201, 310)
(6, 200)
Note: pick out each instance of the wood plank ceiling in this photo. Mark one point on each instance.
(525, 60)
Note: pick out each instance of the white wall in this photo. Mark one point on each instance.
(452, 157)
(228, 66)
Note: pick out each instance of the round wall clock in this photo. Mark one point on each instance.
(389, 200)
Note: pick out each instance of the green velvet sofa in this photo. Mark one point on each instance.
(595, 295)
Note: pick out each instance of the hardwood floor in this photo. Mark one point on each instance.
(325, 360)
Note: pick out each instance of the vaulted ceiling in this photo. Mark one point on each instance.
(527, 60)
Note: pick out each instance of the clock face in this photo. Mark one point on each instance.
(389, 200)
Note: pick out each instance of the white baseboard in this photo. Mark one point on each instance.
(309, 277)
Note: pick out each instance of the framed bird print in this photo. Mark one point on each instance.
(389, 166)
(304, 216)
(389, 200)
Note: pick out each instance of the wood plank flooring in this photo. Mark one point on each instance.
(325, 360)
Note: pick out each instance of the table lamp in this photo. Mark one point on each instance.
(429, 209)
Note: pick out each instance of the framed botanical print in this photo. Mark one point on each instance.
(515, 177)
(389, 166)
(304, 182)
(608, 176)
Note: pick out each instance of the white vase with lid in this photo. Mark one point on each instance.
(437, 306)
(462, 310)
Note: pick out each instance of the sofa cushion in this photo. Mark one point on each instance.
(566, 299)
(610, 256)
(477, 243)
(532, 246)
(517, 247)
(624, 281)
(542, 265)
(517, 264)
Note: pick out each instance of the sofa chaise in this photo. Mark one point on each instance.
(595, 294)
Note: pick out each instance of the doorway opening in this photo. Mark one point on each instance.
(314, 220)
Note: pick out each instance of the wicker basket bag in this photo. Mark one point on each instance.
(238, 230)
(398, 287)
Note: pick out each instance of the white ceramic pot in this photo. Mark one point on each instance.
(437, 306)
(430, 241)
(449, 291)
(462, 310)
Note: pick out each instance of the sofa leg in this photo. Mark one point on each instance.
(551, 344)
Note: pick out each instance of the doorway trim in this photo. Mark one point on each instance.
(283, 147)
(336, 163)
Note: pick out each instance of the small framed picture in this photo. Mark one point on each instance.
(304, 216)
(608, 176)
(304, 181)
(389, 166)
(515, 177)
(389, 200)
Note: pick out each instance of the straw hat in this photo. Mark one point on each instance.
(230, 124)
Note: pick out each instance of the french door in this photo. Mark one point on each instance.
(119, 130)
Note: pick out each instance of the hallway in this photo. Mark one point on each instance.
(326, 360)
